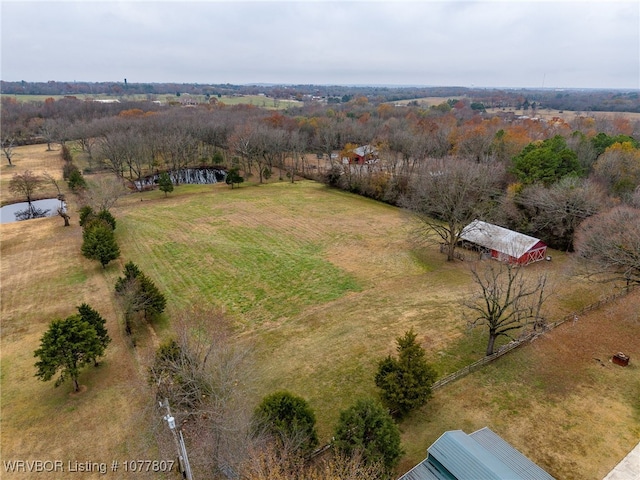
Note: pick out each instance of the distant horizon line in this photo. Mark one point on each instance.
(352, 85)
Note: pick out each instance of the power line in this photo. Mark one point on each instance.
(183, 459)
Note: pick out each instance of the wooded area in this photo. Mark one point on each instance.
(537, 176)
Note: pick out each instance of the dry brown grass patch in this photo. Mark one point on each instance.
(560, 400)
(44, 277)
(38, 160)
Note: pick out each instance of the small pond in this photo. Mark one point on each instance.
(25, 211)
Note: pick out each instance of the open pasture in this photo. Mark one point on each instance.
(38, 160)
(321, 283)
(261, 101)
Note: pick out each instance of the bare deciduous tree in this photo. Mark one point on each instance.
(178, 150)
(244, 142)
(8, 144)
(556, 212)
(51, 131)
(267, 463)
(447, 195)
(61, 210)
(297, 146)
(608, 245)
(206, 375)
(103, 192)
(25, 184)
(131, 301)
(507, 302)
(87, 135)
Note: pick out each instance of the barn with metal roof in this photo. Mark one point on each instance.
(479, 455)
(503, 244)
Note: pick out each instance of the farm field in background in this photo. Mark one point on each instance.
(544, 113)
(321, 283)
(256, 100)
(270, 103)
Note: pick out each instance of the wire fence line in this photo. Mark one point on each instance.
(463, 372)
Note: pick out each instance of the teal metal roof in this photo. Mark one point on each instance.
(427, 471)
(480, 455)
(467, 459)
(509, 455)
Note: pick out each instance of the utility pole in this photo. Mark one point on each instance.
(183, 459)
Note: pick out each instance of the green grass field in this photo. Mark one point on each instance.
(320, 283)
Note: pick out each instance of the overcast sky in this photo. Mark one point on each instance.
(554, 44)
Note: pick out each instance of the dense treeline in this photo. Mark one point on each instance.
(546, 176)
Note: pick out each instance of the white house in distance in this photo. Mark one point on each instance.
(504, 244)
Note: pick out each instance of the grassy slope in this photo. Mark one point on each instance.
(321, 282)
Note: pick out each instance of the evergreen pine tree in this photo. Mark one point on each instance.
(99, 243)
(405, 381)
(288, 420)
(165, 184)
(67, 346)
(93, 318)
(366, 428)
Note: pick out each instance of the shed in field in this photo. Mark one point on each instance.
(503, 244)
(479, 455)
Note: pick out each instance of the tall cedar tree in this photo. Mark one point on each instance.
(67, 346)
(367, 429)
(143, 293)
(405, 381)
(99, 243)
(85, 215)
(233, 177)
(289, 421)
(106, 216)
(88, 216)
(93, 318)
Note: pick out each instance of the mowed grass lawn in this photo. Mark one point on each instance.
(319, 283)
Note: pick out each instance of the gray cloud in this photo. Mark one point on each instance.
(481, 43)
